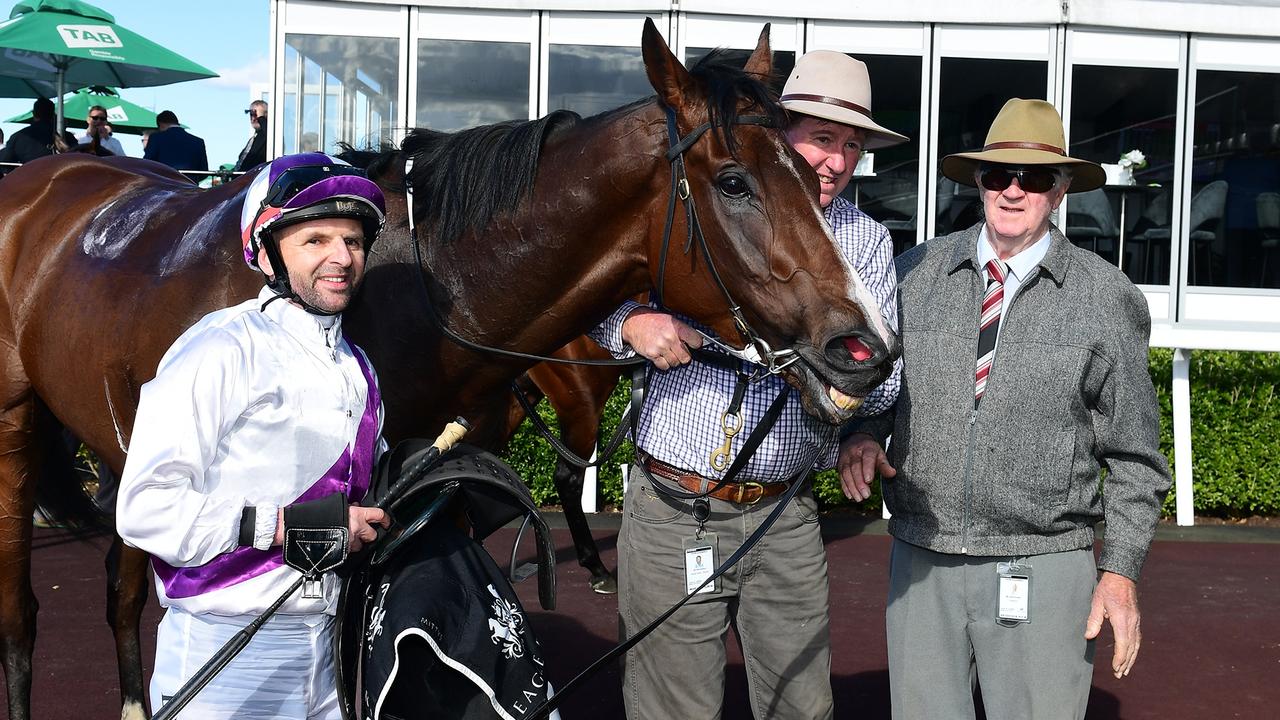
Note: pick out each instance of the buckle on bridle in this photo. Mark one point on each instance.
(682, 188)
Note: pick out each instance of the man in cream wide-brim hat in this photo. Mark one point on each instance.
(780, 610)
(828, 96)
(1027, 361)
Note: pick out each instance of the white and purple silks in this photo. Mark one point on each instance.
(250, 406)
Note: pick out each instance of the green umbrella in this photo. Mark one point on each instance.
(46, 45)
(124, 116)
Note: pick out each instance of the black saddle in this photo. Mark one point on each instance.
(417, 603)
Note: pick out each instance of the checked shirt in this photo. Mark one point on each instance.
(680, 424)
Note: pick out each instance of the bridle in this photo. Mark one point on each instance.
(757, 351)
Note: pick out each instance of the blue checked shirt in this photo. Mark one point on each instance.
(680, 424)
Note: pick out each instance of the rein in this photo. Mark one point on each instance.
(757, 350)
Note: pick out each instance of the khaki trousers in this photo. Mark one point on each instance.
(775, 598)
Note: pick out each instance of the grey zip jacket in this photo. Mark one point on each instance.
(1069, 395)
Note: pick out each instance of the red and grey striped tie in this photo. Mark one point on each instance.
(990, 326)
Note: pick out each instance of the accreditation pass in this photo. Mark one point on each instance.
(1013, 592)
(699, 563)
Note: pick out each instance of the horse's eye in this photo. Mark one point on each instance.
(733, 186)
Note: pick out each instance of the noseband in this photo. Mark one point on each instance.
(757, 350)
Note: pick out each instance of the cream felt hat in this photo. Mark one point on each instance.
(833, 86)
(1026, 132)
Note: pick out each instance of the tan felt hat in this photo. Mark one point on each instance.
(1026, 132)
(833, 86)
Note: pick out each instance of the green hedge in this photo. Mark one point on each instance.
(1235, 428)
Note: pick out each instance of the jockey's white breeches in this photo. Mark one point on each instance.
(286, 671)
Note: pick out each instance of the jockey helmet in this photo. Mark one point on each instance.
(307, 186)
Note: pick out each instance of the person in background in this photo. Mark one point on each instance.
(99, 129)
(174, 146)
(35, 140)
(255, 151)
(1025, 375)
(777, 600)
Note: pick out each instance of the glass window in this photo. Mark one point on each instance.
(970, 93)
(464, 83)
(888, 184)
(1233, 223)
(1115, 111)
(347, 86)
(590, 79)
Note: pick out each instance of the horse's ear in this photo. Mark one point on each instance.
(667, 75)
(760, 63)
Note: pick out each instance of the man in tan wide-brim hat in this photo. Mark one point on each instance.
(1025, 373)
(779, 607)
(1026, 133)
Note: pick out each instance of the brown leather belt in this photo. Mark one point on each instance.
(743, 493)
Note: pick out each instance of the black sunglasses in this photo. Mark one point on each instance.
(1032, 179)
(99, 118)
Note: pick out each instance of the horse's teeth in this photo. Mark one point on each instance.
(847, 403)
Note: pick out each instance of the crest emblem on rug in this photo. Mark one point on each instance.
(506, 625)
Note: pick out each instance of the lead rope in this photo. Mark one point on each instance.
(550, 704)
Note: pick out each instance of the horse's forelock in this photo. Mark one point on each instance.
(729, 89)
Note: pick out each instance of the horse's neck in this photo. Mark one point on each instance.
(549, 273)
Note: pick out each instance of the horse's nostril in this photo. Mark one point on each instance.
(857, 349)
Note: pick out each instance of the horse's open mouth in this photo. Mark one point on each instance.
(834, 394)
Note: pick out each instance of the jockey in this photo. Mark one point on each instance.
(260, 416)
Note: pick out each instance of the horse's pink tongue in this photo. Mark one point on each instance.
(857, 349)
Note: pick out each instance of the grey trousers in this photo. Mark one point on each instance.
(944, 638)
(776, 600)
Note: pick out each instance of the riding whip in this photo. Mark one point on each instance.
(453, 432)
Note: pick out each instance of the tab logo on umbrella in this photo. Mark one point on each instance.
(117, 115)
(89, 36)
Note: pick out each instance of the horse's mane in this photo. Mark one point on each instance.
(462, 180)
(374, 161)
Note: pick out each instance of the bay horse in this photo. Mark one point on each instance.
(532, 233)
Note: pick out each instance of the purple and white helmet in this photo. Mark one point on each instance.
(308, 186)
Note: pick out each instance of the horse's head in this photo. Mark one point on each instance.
(758, 209)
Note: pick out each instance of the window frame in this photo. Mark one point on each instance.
(1098, 47)
(1222, 307)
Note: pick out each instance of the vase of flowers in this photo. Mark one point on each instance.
(1129, 162)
